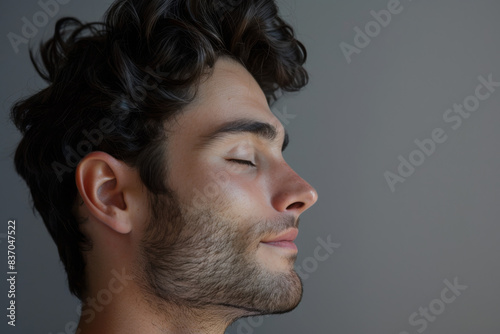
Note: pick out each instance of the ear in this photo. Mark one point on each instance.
(103, 183)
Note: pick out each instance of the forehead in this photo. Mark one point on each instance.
(229, 93)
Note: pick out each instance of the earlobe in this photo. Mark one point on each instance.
(102, 181)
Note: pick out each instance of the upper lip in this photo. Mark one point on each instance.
(288, 235)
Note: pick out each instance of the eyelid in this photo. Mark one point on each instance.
(242, 162)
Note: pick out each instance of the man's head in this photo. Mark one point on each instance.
(154, 148)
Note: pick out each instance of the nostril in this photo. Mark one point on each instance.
(296, 205)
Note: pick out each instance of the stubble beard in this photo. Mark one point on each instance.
(200, 258)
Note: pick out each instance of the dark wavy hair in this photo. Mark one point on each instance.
(112, 86)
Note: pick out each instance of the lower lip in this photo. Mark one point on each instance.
(282, 244)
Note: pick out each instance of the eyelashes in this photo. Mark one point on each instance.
(242, 162)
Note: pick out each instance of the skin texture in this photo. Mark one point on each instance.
(196, 257)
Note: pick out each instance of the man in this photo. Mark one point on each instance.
(156, 164)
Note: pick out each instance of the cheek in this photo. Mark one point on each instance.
(211, 182)
(244, 195)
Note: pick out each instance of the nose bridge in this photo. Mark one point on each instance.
(291, 191)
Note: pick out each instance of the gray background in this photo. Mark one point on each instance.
(351, 124)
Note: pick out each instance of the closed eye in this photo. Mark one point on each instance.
(242, 162)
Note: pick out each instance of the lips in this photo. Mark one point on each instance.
(283, 240)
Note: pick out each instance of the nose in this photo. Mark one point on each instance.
(291, 192)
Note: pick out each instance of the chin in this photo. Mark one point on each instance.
(289, 298)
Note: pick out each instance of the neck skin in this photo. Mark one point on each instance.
(132, 311)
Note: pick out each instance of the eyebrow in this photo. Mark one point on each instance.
(260, 129)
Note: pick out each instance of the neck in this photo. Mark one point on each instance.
(133, 311)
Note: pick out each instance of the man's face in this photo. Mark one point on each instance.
(224, 237)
